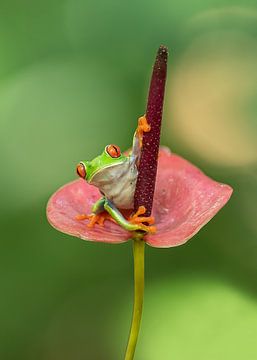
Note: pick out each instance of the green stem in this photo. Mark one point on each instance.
(139, 260)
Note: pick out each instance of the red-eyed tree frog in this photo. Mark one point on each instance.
(115, 175)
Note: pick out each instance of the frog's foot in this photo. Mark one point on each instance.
(95, 218)
(141, 220)
(142, 127)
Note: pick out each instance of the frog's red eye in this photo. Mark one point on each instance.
(81, 170)
(113, 151)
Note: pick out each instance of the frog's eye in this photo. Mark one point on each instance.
(113, 151)
(81, 170)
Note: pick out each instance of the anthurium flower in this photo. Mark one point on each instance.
(178, 195)
(185, 200)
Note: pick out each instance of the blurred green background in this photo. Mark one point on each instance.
(74, 77)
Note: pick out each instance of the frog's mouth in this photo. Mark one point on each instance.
(90, 180)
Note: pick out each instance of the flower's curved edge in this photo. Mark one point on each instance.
(124, 236)
(166, 151)
(119, 235)
(195, 231)
(90, 239)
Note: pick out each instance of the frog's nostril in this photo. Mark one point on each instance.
(81, 170)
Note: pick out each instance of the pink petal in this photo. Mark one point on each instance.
(185, 200)
(76, 198)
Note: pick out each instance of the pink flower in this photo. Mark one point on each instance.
(179, 196)
(185, 200)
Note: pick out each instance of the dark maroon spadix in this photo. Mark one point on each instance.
(151, 140)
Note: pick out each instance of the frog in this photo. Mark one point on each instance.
(115, 175)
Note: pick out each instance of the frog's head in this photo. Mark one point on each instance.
(111, 156)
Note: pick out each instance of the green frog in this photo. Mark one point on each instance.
(115, 175)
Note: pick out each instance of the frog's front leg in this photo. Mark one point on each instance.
(134, 223)
(142, 127)
(98, 214)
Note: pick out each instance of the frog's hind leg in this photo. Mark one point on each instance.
(98, 206)
(98, 214)
(132, 224)
(104, 209)
(96, 209)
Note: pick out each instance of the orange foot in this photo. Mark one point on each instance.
(95, 218)
(142, 127)
(140, 220)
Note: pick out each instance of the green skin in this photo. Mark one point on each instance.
(116, 178)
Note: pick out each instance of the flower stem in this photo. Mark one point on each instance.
(139, 275)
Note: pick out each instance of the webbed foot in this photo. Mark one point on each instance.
(133, 223)
(141, 220)
(99, 218)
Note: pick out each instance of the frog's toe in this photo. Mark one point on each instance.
(103, 216)
(147, 228)
(143, 124)
(142, 221)
(95, 218)
(138, 219)
(82, 217)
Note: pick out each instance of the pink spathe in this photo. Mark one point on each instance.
(185, 199)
